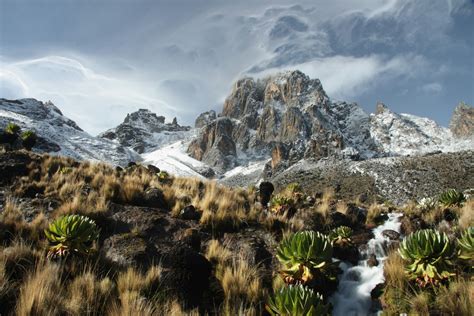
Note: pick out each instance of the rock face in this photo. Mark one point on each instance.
(144, 131)
(205, 118)
(462, 121)
(288, 116)
(59, 134)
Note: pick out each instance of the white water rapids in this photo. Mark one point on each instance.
(352, 297)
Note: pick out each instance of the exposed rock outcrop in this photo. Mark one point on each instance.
(144, 131)
(462, 121)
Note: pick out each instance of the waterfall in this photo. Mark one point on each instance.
(352, 297)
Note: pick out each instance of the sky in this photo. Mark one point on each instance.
(98, 60)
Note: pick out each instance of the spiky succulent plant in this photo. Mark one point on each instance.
(28, 139)
(452, 197)
(12, 128)
(71, 234)
(428, 255)
(280, 203)
(341, 235)
(303, 254)
(297, 300)
(466, 244)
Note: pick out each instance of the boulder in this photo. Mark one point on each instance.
(154, 197)
(391, 234)
(372, 261)
(265, 191)
(153, 169)
(188, 275)
(190, 213)
(129, 250)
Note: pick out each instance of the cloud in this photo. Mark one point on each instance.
(432, 88)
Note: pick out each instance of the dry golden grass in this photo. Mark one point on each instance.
(457, 299)
(466, 216)
(374, 211)
(394, 271)
(420, 304)
(41, 293)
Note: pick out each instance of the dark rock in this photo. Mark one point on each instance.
(192, 238)
(188, 276)
(118, 169)
(340, 219)
(12, 165)
(391, 234)
(129, 250)
(372, 261)
(348, 253)
(190, 213)
(265, 190)
(153, 169)
(377, 291)
(153, 197)
(449, 215)
(131, 164)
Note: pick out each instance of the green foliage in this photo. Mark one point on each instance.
(28, 139)
(303, 254)
(341, 235)
(12, 128)
(293, 187)
(297, 300)
(281, 203)
(71, 233)
(163, 175)
(427, 253)
(452, 197)
(65, 170)
(466, 244)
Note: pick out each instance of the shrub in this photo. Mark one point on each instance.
(466, 244)
(28, 139)
(427, 253)
(71, 233)
(297, 300)
(341, 235)
(452, 197)
(303, 254)
(293, 187)
(163, 175)
(280, 204)
(12, 128)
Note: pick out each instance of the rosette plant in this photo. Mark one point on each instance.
(341, 236)
(71, 234)
(428, 255)
(280, 203)
(28, 139)
(305, 255)
(452, 197)
(297, 300)
(466, 244)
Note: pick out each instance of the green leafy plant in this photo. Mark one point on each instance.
(452, 197)
(28, 139)
(428, 255)
(12, 128)
(341, 236)
(163, 175)
(280, 203)
(65, 170)
(293, 187)
(297, 300)
(303, 255)
(466, 244)
(71, 234)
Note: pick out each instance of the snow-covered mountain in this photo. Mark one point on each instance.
(59, 135)
(144, 131)
(266, 126)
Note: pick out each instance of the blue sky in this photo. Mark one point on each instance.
(98, 60)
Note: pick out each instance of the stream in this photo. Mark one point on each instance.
(352, 297)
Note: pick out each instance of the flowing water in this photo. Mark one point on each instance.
(352, 297)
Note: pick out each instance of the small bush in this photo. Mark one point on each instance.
(12, 128)
(452, 197)
(28, 139)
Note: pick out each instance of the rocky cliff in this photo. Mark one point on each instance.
(144, 131)
(462, 121)
(289, 117)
